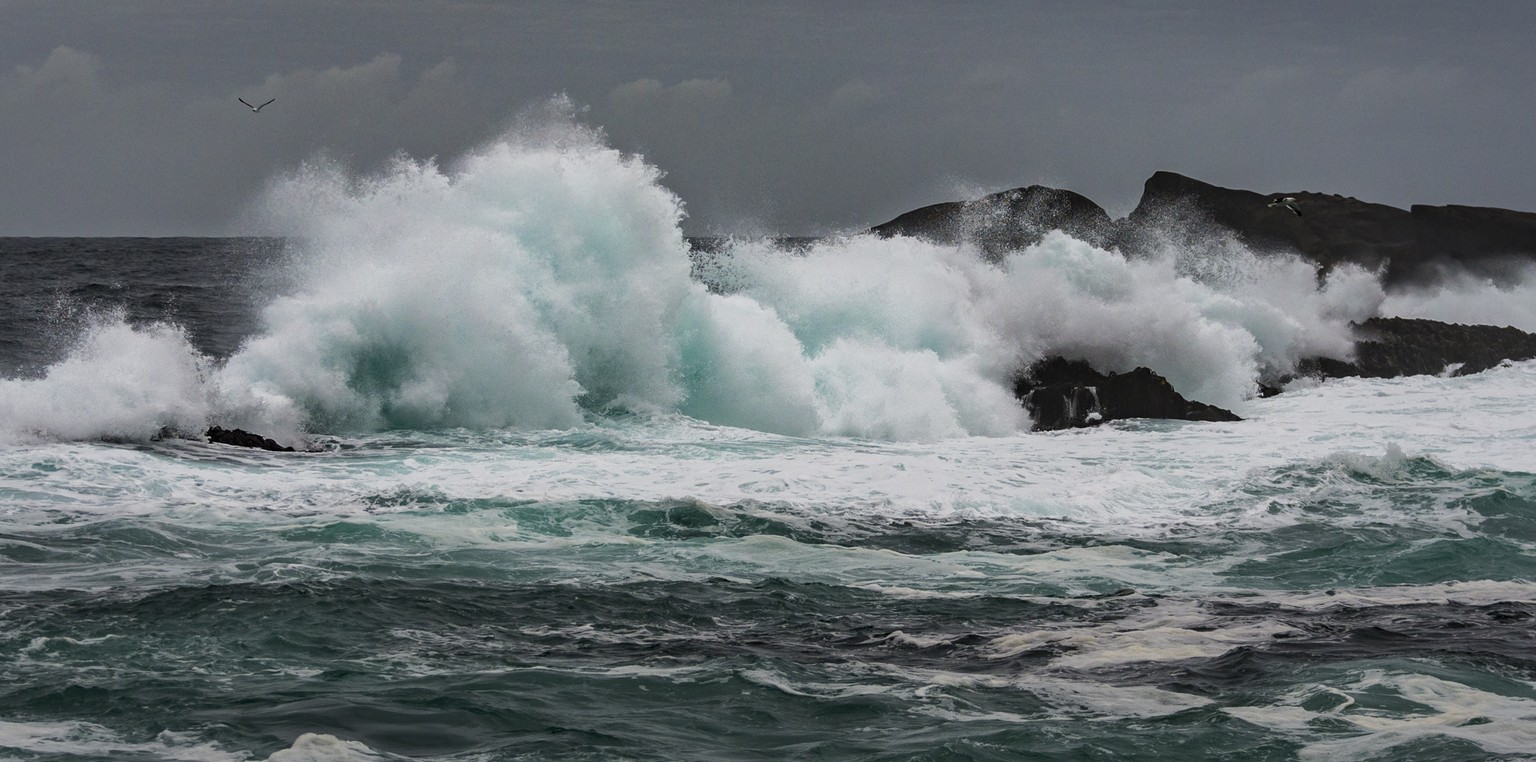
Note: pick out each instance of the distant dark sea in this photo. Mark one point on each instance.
(54, 287)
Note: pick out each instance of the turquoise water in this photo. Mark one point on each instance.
(429, 597)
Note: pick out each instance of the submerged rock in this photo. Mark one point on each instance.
(1064, 394)
(243, 438)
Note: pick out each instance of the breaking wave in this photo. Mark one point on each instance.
(544, 279)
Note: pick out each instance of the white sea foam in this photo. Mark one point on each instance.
(978, 323)
(1498, 724)
(1470, 593)
(119, 381)
(769, 678)
(1066, 698)
(322, 747)
(88, 740)
(1173, 630)
(516, 306)
(1123, 480)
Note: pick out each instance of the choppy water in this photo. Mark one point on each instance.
(780, 529)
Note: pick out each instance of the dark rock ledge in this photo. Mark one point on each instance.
(243, 438)
(220, 435)
(1064, 394)
(1391, 347)
(1417, 245)
(1007, 221)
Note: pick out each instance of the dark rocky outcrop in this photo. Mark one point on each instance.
(1389, 347)
(1415, 245)
(1063, 394)
(243, 438)
(1422, 244)
(1419, 244)
(1006, 221)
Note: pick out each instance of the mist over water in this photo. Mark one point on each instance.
(1471, 300)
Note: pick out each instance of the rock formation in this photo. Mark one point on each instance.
(1414, 245)
(1419, 244)
(1389, 347)
(1007, 221)
(1063, 394)
(243, 438)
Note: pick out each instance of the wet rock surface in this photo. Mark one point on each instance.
(243, 438)
(1007, 221)
(1417, 245)
(1389, 347)
(1063, 394)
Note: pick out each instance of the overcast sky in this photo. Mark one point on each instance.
(120, 118)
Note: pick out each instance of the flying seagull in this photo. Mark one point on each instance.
(1289, 202)
(255, 109)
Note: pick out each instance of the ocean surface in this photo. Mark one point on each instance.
(564, 491)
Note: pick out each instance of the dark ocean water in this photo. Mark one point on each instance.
(1348, 574)
(53, 286)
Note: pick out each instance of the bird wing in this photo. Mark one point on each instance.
(268, 103)
(247, 105)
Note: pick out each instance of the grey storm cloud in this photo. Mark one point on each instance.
(94, 157)
(778, 117)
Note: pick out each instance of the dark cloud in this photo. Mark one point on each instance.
(767, 117)
(91, 156)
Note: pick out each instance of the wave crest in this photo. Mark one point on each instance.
(543, 279)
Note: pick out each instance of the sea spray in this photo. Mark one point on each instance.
(891, 333)
(543, 280)
(1214, 333)
(532, 279)
(118, 382)
(744, 367)
(1464, 298)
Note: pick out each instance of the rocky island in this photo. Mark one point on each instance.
(1418, 245)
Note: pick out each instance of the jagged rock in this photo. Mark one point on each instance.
(1389, 347)
(1415, 245)
(1062, 394)
(1418, 244)
(1007, 221)
(243, 438)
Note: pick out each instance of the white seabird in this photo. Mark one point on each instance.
(1289, 202)
(255, 109)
